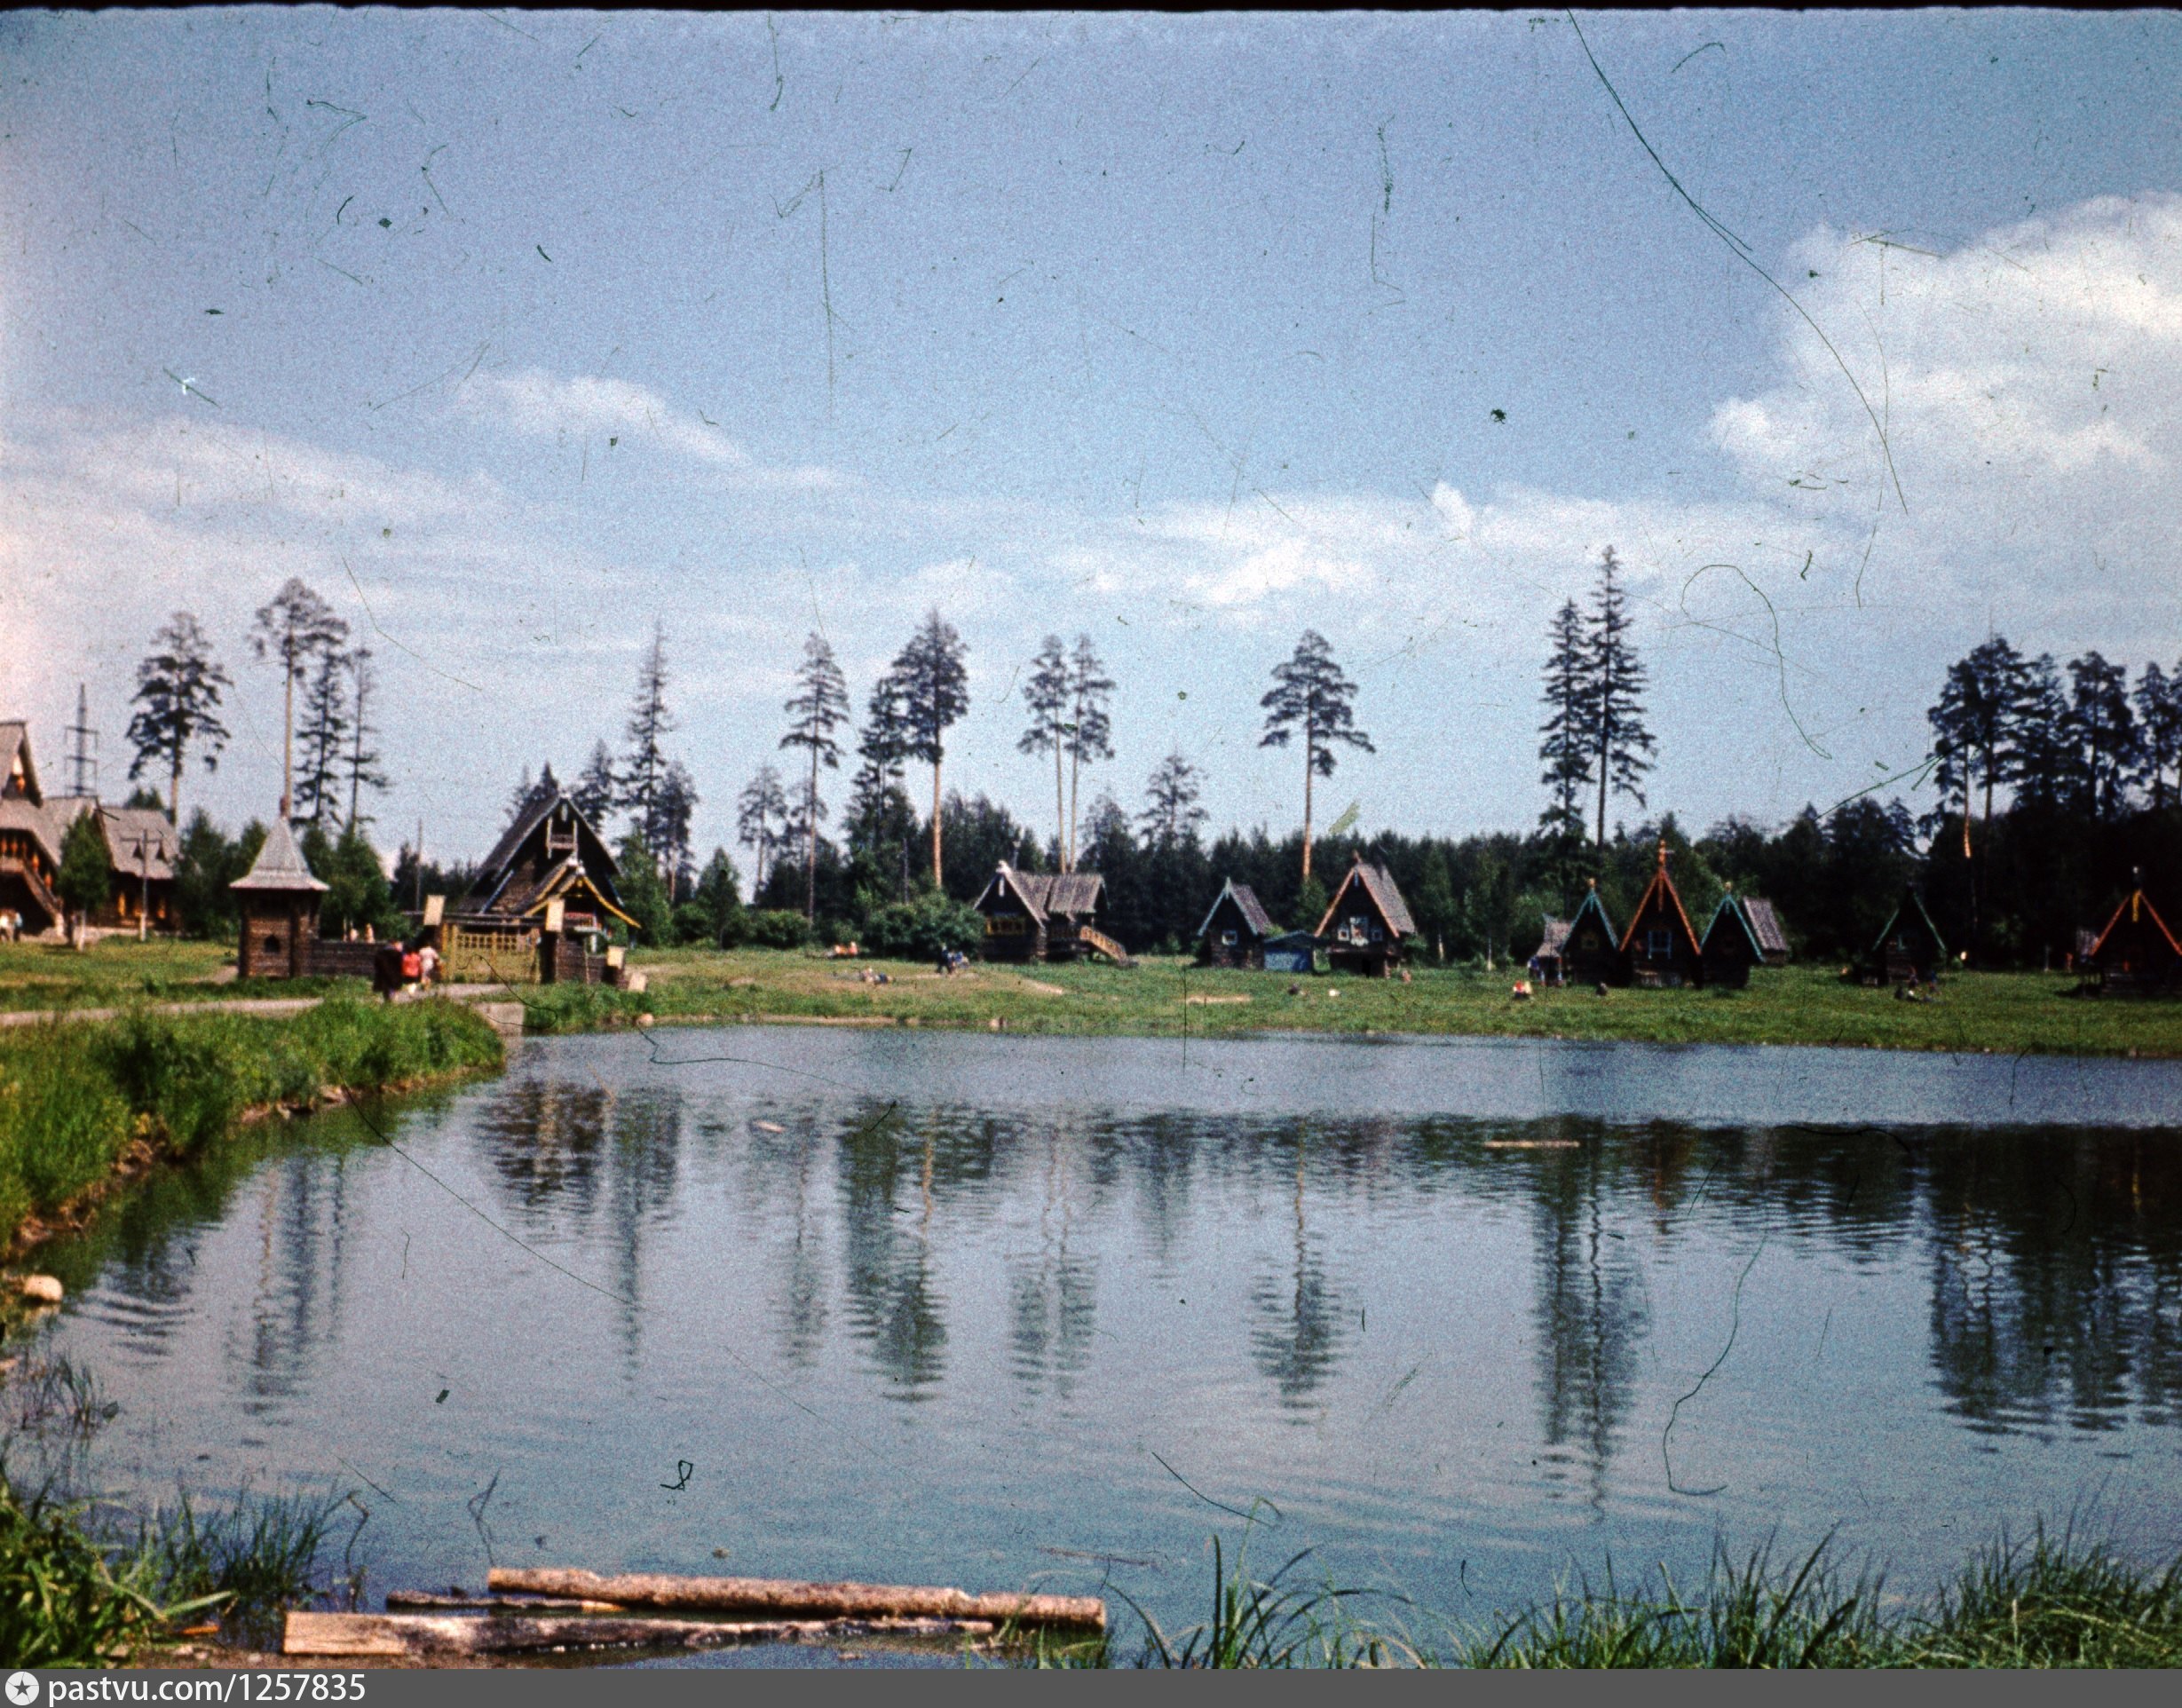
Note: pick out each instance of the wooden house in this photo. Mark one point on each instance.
(2136, 952)
(549, 881)
(1551, 957)
(1044, 916)
(1660, 947)
(1590, 952)
(1766, 926)
(1731, 945)
(1292, 951)
(144, 850)
(279, 900)
(30, 839)
(1366, 922)
(1909, 949)
(1235, 931)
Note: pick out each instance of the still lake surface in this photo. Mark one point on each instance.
(942, 1308)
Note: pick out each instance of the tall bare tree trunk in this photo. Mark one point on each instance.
(174, 789)
(1060, 812)
(936, 880)
(1309, 741)
(1075, 762)
(287, 739)
(811, 855)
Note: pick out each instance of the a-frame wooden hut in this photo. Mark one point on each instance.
(1044, 916)
(1366, 922)
(1909, 949)
(2137, 951)
(1660, 947)
(549, 853)
(1234, 931)
(1590, 952)
(279, 900)
(1731, 945)
(1553, 954)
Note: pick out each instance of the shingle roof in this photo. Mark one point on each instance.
(129, 827)
(1556, 936)
(1772, 937)
(1379, 884)
(279, 866)
(19, 814)
(1254, 915)
(1073, 894)
(14, 745)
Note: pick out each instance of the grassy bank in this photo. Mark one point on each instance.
(116, 971)
(2003, 1013)
(80, 1101)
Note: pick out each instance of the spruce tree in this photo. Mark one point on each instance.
(819, 706)
(1046, 693)
(85, 881)
(362, 762)
(178, 687)
(2103, 731)
(880, 808)
(1310, 693)
(324, 729)
(1090, 732)
(2159, 719)
(1171, 814)
(644, 764)
(934, 690)
(1614, 695)
(597, 787)
(293, 628)
(1566, 752)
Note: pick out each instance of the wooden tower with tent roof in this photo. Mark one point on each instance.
(279, 901)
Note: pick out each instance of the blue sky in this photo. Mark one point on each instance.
(1187, 333)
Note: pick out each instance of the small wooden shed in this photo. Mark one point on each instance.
(1292, 951)
(1909, 949)
(1590, 952)
(1234, 931)
(1366, 922)
(1551, 957)
(1731, 945)
(1044, 916)
(2137, 953)
(279, 899)
(1660, 947)
(1766, 925)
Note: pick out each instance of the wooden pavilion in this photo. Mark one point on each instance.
(1236, 929)
(1590, 951)
(1046, 916)
(1366, 922)
(1660, 948)
(1909, 949)
(2136, 952)
(279, 901)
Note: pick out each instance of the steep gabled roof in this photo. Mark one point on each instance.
(1026, 887)
(1733, 909)
(1660, 882)
(1556, 938)
(1766, 924)
(1377, 883)
(2135, 900)
(1911, 901)
(280, 864)
(1073, 894)
(1592, 904)
(14, 751)
(1253, 916)
(128, 829)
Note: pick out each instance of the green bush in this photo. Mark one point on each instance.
(920, 929)
(776, 928)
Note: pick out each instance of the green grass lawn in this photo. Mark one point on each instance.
(118, 970)
(2001, 1012)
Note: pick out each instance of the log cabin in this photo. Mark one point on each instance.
(29, 838)
(144, 850)
(279, 900)
(1236, 929)
(1591, 953)
(1909, 949)
(1366, 922)
(1660, 948)
(547, 886)
(1044, 916)
(2136, 952)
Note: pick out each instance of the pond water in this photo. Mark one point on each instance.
(1464, 1316)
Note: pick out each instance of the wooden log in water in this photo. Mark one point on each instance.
(415, 1600)
(787, 1597)
(391, 1636)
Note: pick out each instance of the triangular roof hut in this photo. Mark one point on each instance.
(549, 853)
(1591, 953)
(1366, 921)
(29, 838)
(1234, 930)
(2137, 951)
(1552, 951)
(1660, 947)
(1731, 945)
(280, 900)
(1909, 948)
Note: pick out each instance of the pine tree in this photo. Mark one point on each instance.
(597, 788)
(2159, 719)
(1047, 695)
(2041, 764)
(644, 763)
(673, 807)
(1171, 814)
(325, 728)
(1090, 732)
(179, 687)
(1566, 752)
(819, 706)
(2103, 731)
(763, 805)
(1614, 696)
(519, 796)
(1971, 726)
(363, 760)
(1309, 691)
(294, 626)
(934, 690)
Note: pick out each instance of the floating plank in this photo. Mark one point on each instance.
(788, 1597)
(458, 1602)
(389, 1636)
